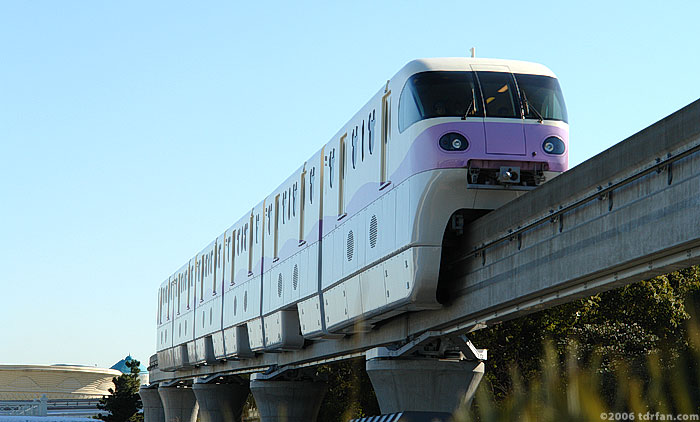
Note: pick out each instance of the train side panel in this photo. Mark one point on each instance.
(164, 340)
(183, 325)
(309, 307)
(281, 273)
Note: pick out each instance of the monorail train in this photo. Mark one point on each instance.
(356, 234)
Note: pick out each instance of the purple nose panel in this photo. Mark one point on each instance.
(505, 138)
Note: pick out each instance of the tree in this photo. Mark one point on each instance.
(350, 394)
(624, 325)
(124, 402)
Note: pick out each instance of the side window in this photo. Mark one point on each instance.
(341, 174)
(201, 279)
(363, 141)
(284, 207)
(277, 219)
(257, 228)
(245, 237)
(294, 199)
(232, 248)
(167, 295)
(370, 131)
(312, 177)
(216, 264)
(189, 286)
(353, 143)
(301, 203)
(331, 166)
(250, 244)
(409, 112)
(269, 219)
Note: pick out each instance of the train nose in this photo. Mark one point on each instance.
(505, 138)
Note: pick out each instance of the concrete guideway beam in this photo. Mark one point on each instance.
(424, 384)
(152, 405)
(221, 402)
(288, 401)
(179, 404)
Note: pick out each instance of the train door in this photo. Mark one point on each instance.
(385, 136)
(503, 125)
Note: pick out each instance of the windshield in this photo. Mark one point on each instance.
(437, 94)
(542, 93)
(457, 94)
(500, 94)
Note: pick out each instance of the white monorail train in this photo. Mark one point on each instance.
(355, 235)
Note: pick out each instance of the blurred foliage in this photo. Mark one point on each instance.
(350, 394)
(573, 390)
(622, 325)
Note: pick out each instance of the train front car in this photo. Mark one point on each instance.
(504, 121)
(456, 137)
(479, 133)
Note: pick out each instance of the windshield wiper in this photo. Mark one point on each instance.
(529, 107)
(471, 104)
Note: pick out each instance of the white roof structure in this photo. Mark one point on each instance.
(43, 419)
(30, 382)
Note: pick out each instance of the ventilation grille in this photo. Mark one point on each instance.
(245, 301)
(351, 245)
(295, 277)
(235, 305)
(373, 232)
(279, 285)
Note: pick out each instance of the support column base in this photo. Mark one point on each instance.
(179, 404)
(288, 401)
(424, 385)
(221, 402)
(152, 405)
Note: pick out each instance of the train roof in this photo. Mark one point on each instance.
(468, 63)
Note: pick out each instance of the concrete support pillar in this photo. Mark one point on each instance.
(424, 385)
(221, 402)
(288, 401)
(179, 404)
(152, 405)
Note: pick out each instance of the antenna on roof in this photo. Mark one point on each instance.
(473, 52)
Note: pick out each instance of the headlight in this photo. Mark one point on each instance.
(453, 142)
(553, 145)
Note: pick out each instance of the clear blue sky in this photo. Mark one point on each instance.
(133, 133)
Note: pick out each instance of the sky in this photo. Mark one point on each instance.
(133, 133)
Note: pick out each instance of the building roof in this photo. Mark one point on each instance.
(121, 366)
(29, 382)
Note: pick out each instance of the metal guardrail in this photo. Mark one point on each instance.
(408, 417)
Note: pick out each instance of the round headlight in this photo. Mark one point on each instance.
(453, 142)
(553, 145)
